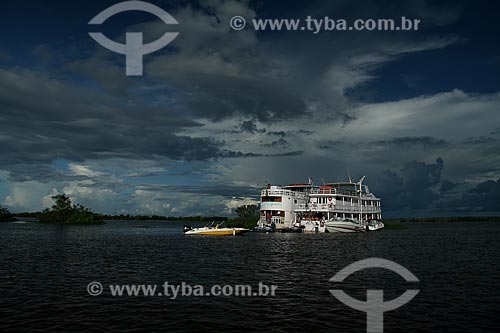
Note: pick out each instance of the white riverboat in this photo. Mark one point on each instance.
(331, 207)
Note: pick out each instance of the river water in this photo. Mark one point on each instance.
(45, 271)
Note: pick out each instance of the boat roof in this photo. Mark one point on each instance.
(300, 186)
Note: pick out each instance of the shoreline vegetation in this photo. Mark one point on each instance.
(6, 215)
(394, 225)
(65, 212)
(450, 219)
(248, 216)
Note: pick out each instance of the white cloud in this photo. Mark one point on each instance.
(83, 170)
(27, 196)
(47, 200)
(453, 115)
(232, 204)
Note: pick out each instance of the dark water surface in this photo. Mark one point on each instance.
(45, 270)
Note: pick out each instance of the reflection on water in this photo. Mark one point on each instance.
(45, 270)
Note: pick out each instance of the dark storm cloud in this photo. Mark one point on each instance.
(277, 133)
(418, 185)
(226, 96)
(387, 145)
(406, 141)
(419, 175)
(484, 197)
(482, 140)
(250, 127)
(433, 13)
(44, 119)
(219, 189)
(38, 172)
(446, 186)
(271, 77)
(281, 142)
(215, 73)
(334, 145)
(412, 188)
(237, 154)
(283, 133)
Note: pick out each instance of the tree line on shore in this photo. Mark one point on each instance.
(5, 215)
(64, 211)
(447, 219)
(247, 217)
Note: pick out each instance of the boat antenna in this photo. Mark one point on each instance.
(361, 182)
(349, 175)
(323, 181)
(360, 201)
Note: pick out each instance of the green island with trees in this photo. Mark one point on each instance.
(64, 211)
(5, 215)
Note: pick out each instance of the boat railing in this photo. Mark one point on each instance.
(334, 191)
(270, 192)
(332, 207)
(296, 194)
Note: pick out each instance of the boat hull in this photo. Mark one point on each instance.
(344, 227)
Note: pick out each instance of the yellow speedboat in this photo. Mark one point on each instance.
(214, 230)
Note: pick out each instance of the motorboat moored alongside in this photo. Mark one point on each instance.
(214, 229)
(265, 229)
(374, 225)
(344, 225)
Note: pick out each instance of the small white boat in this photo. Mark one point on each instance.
(374, 225)
(313, 226)
(344, 225)
(214, 229)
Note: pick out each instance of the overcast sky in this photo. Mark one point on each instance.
(219, 113)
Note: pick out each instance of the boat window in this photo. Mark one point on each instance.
(271, 199)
